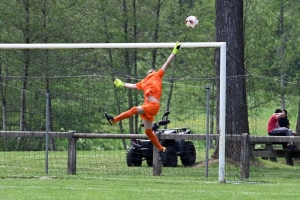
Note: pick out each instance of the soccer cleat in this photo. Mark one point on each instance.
(109, 118)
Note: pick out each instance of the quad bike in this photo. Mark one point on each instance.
(143, 149)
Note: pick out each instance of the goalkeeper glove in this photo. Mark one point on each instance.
(176, 48)
(118, 83)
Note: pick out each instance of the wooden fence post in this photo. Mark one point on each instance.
(245, 156)
(157, 164)
(71, 153)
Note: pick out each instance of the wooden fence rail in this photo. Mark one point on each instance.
(247, 144)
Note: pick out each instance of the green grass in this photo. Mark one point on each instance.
(128, 187)
(111, 163)
(104, 175)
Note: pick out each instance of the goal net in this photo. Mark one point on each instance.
(79, 81)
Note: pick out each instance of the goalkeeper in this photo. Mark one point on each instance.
(152, 88)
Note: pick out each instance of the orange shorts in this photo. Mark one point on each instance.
(150, 110)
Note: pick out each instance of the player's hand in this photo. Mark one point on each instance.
(176, 48)
(118, 83)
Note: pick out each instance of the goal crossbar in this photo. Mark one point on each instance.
(108, 45)
(221, 45)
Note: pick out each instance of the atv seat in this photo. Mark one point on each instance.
(164, 122)
(160, 123)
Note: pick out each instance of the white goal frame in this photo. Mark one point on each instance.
(221, 45)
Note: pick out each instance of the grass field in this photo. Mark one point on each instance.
(127, 187)
(117, 181)
(104, 175)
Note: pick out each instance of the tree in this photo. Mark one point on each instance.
(230, 29)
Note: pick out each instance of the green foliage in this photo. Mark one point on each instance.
(80, 82)
(274, 55)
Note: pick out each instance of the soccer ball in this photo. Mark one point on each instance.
(191, 22)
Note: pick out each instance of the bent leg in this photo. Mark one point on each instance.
(153, 139)
(152, 136)
(280, 132)
(147, 120)
(126, 114)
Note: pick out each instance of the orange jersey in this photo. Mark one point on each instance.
(152, 85)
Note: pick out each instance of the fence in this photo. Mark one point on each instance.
(72, 158)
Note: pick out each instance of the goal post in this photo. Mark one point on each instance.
(220, 45)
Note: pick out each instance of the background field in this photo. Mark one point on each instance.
(128, 187)
(80, 84)
(103, 174)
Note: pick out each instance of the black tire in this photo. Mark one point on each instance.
(188, 157)
(133, 158)
(169, 157)
(149, 161)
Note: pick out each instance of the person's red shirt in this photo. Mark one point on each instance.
(272, 123)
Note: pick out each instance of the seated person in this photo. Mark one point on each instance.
(273, 127)
(284, 121)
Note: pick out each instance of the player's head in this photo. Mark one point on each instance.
(278, 110)
(151, 71)
(285, 111)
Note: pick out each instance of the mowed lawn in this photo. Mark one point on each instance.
(76, 187)
(276, 181)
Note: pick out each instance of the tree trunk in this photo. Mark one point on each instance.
(281, 57)
(212, 114)
(135, 40)
(127, 62)
(168, 104)
(298, 123)
(155, 36)
(45, 23)
(229, 29)
(3, 101)
(23, 98)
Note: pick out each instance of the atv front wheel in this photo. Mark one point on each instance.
(149, 161)
(133, 158)
(169, 157)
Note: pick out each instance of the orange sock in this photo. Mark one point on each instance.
(153, 139)
(126, 114)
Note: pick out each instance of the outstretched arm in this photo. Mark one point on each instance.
(167, 63)
(119, 83)
(280, 115)
(171, 57)
(130, 85)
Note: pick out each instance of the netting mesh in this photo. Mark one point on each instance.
(80, 84)
(81, 89)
